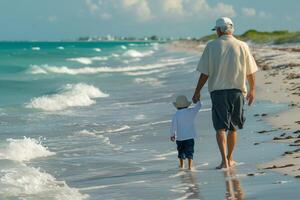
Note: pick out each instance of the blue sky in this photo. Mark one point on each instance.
(70, 19)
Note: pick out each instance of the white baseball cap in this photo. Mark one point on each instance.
(223, 21)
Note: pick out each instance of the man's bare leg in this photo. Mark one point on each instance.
(190, 164)
(180, 163)
(222, 143)
(231, 141)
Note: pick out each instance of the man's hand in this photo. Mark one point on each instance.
(172, 138)
(196, 97)
(251, 93)
(250, 97)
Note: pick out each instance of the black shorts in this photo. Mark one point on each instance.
(185, 148)
(227, 109)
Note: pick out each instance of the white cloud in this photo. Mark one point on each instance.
(221, 9)
(173, 6)
(201, 6)
(93, 7)
(105, 16)
(249, 12)
(288, 18)
(263, 14)
(140, 8)
(224, 10)
(52, 19)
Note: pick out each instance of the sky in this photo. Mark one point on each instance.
(71, 19)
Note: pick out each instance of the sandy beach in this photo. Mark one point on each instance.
(278, 81)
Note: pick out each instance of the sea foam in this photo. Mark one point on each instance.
(71, 95)
(87, 60)
(36, 48)
(28, 181)
(24, 149)
(97, 49)
(148, 81)
(137, 54)
(45, 69)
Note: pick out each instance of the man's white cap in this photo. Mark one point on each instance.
(223, 21)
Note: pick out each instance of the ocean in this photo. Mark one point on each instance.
(91, 120)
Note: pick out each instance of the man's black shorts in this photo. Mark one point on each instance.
(227, 109)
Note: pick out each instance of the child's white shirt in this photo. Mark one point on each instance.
(183, 127)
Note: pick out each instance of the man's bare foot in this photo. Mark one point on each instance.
(231, 163)
(222, 166)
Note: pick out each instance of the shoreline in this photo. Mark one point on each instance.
(277, 81)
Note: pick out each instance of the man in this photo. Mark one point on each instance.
(227, 63)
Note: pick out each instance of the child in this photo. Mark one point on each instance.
(183, 130)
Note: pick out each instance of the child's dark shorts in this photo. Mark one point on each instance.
(185, 149)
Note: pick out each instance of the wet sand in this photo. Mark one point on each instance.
(279, 82)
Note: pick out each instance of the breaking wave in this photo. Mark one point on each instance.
(45, 69)
(24, 150)
(86, 60)
(136, 54)
(71, 95)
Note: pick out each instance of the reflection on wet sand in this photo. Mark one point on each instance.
(190, 186)
(234, 190)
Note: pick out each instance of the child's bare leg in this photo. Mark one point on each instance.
(180, 163)
(190, 164)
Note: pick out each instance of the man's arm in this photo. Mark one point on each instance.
(251, 93)
(202, 80)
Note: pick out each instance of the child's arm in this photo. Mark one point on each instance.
(173, 129)
(197, 107)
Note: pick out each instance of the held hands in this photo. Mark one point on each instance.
(196, 97)
(172, 138)
(250, 97)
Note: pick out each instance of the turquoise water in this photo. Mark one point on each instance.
(90, 120)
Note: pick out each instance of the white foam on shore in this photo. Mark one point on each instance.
(141, 73)
(71, 95)
(125, 127)
(136, 54)
(104, 139)
(148, 81)
(161, 122)
(167, 154)
(86, 133)
(24, 149)
(28, 181)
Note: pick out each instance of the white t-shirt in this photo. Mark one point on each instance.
(183, 127)
(227, 61)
